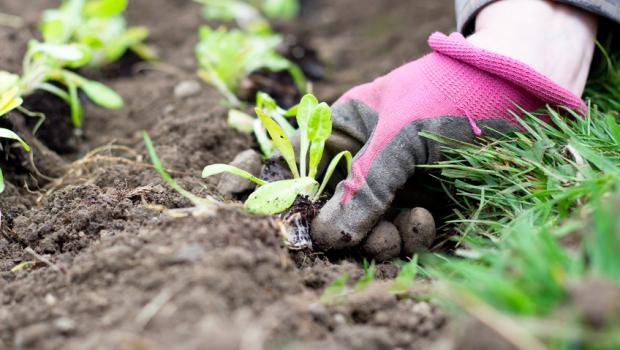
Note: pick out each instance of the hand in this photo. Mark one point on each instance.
(456, 91)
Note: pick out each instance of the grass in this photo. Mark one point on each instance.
(536, 216)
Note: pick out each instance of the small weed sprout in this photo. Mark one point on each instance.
(336, 291)
(159, 167)
(315, 126)
(9, 100)
(97, 25)
(369, 275)
(226, 57)
(406, 277)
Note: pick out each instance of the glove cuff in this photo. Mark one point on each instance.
(518, 73)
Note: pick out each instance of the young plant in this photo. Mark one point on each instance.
(45, 64)
(250, 14)
(226, 57)
(9, 100)
(336, 291)
(406, 277)
(369, 275)
(98, 25)
(315, 126)
(247, 124)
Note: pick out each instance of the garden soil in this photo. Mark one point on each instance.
(118, 264)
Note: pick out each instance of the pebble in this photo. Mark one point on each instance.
(417, 229)
(186, 88)
(64, 325)
(248, 160)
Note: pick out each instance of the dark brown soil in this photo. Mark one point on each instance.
(117, 269)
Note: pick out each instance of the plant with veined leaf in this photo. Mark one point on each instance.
(45, 64)
(247, 124)
(98, 25)
(315, 126)
(225, 57)
(250, 14)
(9, 100)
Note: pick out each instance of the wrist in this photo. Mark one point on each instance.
(556, 40)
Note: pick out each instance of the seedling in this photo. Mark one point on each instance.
(369, 275)
(9, 100)
(336, 291)
(45, 64)
(247, 124)
(249, 14)
(98, 25)
(404, 281)
(226, 57)
(315, 126)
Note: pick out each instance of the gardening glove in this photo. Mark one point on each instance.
(456, 91)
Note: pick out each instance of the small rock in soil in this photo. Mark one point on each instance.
(64, 325)
(417, 229)
(383, 243)
(248, 160)
(186, 88)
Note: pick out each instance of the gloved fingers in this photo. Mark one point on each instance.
(379, 170)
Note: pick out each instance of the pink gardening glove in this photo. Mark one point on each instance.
(458, 90)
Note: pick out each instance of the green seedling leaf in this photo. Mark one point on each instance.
(22, 265)
(105, 8)
(9, 101)
(101, 94)
(240, 121)
(215, 169)
(74, 103)
(285, 9)
(336, 291)
(319, 129)
(8, 134)
(265, 144)
(276, 197)
(406, 277)
(8, 81)
(74, 54)
(265, 102)
(159, 167)
(116, 49)
(306, 107)
(280, 140)
(268, 105)
(331, 168)
(369, 275)
(292, 112)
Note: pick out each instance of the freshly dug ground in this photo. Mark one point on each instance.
(115, 270)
